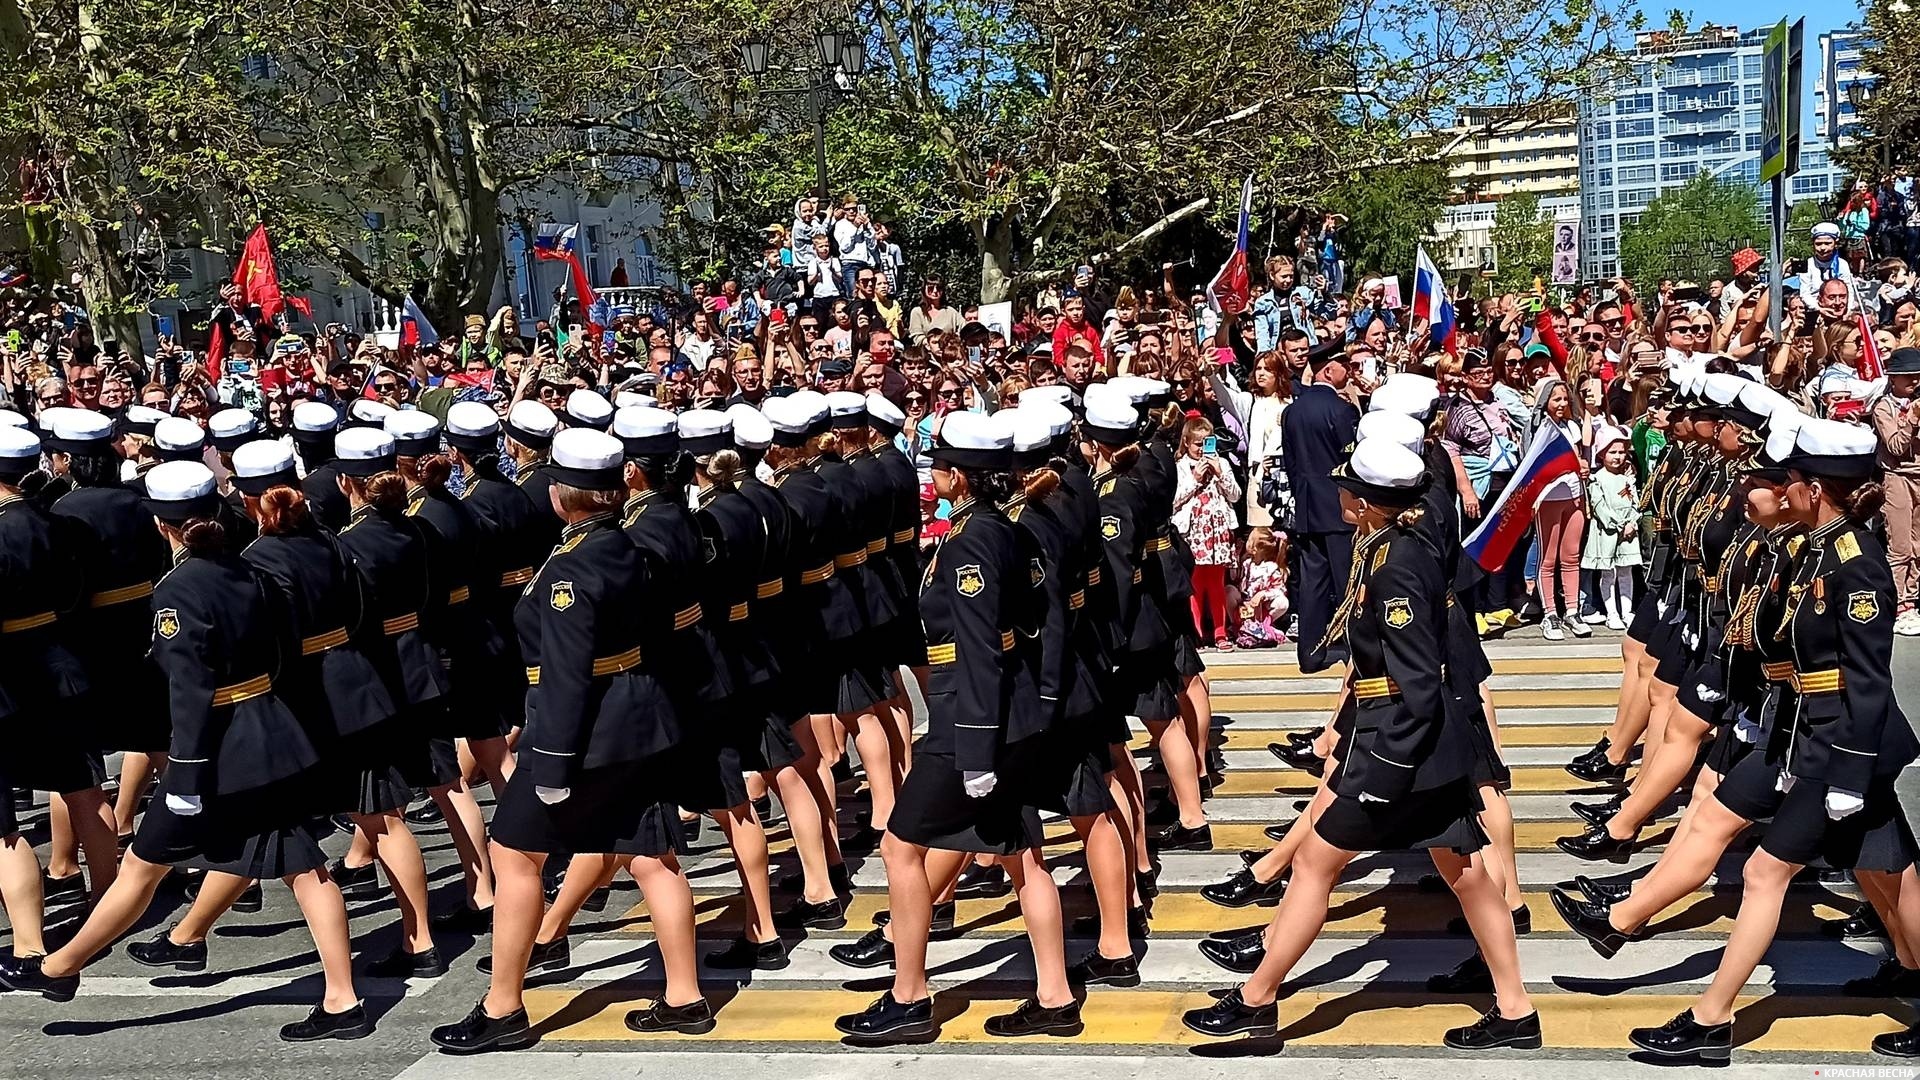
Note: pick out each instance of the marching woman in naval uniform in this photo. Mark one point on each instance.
(775, 615)
(111, 539)
(517, 537)
(228, 430)
(467, 646)
(599, 731)
(530, 429)
(1849, 739)
(39, 679)
(332, 688)
(970, 787)
(314, 425)
(886, 590)
(1405, 777)
(1701, 701)
(1074, 768)
(390, 553)
(904, 643)
(237, 752)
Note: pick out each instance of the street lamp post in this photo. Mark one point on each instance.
(842, 59)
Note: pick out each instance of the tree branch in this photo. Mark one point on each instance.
(1144, 236)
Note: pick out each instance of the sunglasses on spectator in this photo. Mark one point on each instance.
(917, 399)
(809, 327)
(1594, 338)
(864, 279)
(1615, 321)
(87, 382)
(54, 400)
(953, 393)
(1702, 328)
(387, 387)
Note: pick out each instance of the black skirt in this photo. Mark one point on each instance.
(1726, 751)
(49, 755)
(709, 768)
(1874, 838)
(270, 833)
(1446, 817)
(1066, 770)
(1646, 617)
(1186, 657)
(777, 747)
(1692, 700)
(1750, 789)
(906, 642)
(383, 766)
(614, 810)
(1155, 684)
(934, 810)
(1485, 764)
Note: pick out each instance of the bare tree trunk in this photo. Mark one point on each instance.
(103, 274)
(996, 260)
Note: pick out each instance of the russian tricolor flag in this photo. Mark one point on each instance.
(1430, 303)
(414, 327)
(559, 243)
(1231, 290)
(555, 241)
(1549, 458)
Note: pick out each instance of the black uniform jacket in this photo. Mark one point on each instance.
(38, 579)
(1318, 431)
(592, 698)
(691, 664)
(321, 486)
(780, 620)
(1126, 533)
(977, 601)
(903, 523)
(738, 558)
(1406, 737)
(1068, 686)
(111, 538)
(324, 617)
(877, 517)
(856, 517)
(216, 638)
(1078, 505)
(1839, 617)
(390, 552)
(819, 532)
(1759, 658)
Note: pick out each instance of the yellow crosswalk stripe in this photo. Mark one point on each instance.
(1527, 779)
(1576, 737)
(1399, 910)
(1522, 665)
(1230, 704)
(1777, 1023)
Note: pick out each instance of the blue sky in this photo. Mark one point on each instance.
(1821, 16)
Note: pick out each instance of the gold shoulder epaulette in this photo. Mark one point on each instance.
(1380, 556)
(570, 543)
(1846, 546)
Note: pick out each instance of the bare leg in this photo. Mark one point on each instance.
(1906, 896)
(1302, 913)
(359, 850)
(116, 912)
(1765, 889)
(900, 738)
(1497, 858)
(670, 901)
(1276, 861)
(218, 894)
(136, 773)
(804, 822)
(748, 840)
(586, 874)
(517, 904)
(20, 891)
(1040, 907)
(871, 735)
(1491, 920)
(757, 786)
(468, 827)
(1683, 867)
(828, 746)
(1630, 715)
(326, 915)
(493, 758)
(1882, 890)
(1196, 712)
(1107, 869)
(93, 828)
(816, 771)
(1126, 776)
(63, 851)
(1703, 787)
(1662, 774)
(399, 855)
(911, 873)
(1183, 775)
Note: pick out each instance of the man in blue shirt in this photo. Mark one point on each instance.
(1316, 434)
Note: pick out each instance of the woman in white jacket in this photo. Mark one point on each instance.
(1259, 414)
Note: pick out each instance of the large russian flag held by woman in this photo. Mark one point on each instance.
(1549, 458)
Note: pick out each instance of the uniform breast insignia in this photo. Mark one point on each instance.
(1036, 572)
(969, 581)
(1793, 545)
(166, 622)
(1752, 546)
(1862, 606)
(1846, 547)
(1398, 612)
(413, 508)
(561, 597)
(1107, 486)
(1110, 528)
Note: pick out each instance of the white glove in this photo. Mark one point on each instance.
(1784, 784)
(1841, 803)
(979, 784)
(1659, 607)
(1364, 797)
(1686, 636)
(184, 805)
(1707, 693)
(552, 795)
(1746, 728)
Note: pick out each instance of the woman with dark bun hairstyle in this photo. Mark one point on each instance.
(237, 750)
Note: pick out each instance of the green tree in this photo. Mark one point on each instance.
(1688, 232)
(1389, 210)
(1522, 240)
(1890, 117)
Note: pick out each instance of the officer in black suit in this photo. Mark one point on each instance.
(314, 423)
(599, 728)
(1317, 434)
(530, 429)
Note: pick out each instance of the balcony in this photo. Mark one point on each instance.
(1725, 126)
(1673, 104)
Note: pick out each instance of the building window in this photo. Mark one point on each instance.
(1636, 198)
(1750, 65)
(1638, 174)
(1634, 151)
(1629, 219)
(1632, 104)
(1633, 129)
(1751, 95)
(1678, 170)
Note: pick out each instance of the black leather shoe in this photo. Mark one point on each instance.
(251, 900)
(838, 878)
(982, 883)
(744, 955)
(479, 1032)
(1589, 920)
(554, 955)
(693, 1018)
(862, 841)
(1863, 923)
(1493, 1031)
(1181, 838)
(804, 915)
(1598, 770)
(1240, 955)
(1305, 738)
(1683, 1036)
(871, 951)
(1162, 813)
(1031, 1018)
(1595, 845)
(1888, 980)
(597, 899)
(355, 884)
(1145, 885)
(1607, 893)
(342, 823)
(1470, 977)
(427, 813)
(1277, 833)
(401, 964)
(1243, 889)
(943, 917)
(1596, 813)
(1431, 883)
(1089, 925)
(1901, 1044)
(321, 1024)
(464, 920)
(22, 975)
(1522, 923)
(887, 1018)
(1300, 757)
(1599, 751)
(1232, 1016)
(161, 952)
(64, 890)
(1096, 970)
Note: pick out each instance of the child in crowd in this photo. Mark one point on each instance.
(1263, 590)
(1613, 542)
(1203, 501)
